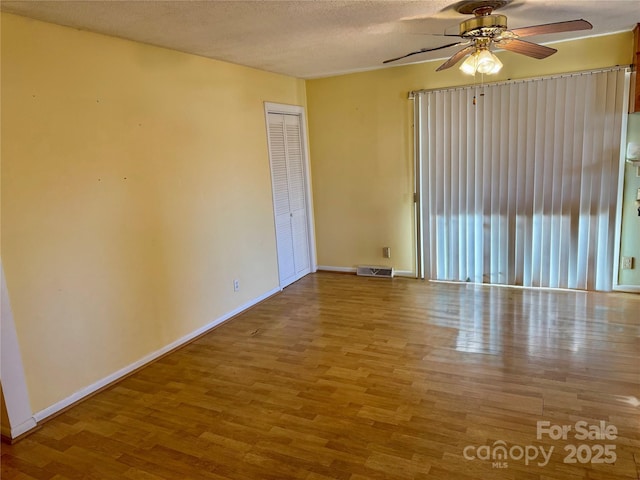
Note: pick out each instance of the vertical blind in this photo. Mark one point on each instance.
(519, 180)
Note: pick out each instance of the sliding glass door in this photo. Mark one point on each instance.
(519, 180)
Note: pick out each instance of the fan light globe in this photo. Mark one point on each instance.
(486, 62)
(469, 65)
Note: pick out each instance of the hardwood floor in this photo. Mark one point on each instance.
(352, 378)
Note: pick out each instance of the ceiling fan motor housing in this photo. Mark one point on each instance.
(483, 26)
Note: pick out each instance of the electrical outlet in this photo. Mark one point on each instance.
(627, 263)
(236, 285)
(386, 252)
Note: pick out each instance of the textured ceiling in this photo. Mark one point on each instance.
(312, 38)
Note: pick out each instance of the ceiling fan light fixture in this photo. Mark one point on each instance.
(482, 61)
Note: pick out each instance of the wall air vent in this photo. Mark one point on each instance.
(372, 271)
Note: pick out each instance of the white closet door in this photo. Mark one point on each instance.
(288, 176)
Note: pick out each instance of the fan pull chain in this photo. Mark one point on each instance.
(475, 101)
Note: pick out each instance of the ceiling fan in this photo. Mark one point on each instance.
(486, 30)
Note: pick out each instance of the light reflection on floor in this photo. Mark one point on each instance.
(489, 324)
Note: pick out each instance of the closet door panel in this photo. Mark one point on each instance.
(286, 154)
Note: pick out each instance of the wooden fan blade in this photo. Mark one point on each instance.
(423, 50)
(456, 57)
(569, 26)
(526, 48)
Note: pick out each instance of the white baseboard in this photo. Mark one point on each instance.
(404, 273)
(397, 273)
(14, 432)
(627, 288)
(23, 428)
(109, 379)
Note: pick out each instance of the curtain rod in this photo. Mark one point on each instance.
(413, 93)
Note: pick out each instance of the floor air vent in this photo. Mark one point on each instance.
(370, 271)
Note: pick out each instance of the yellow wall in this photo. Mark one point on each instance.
(135, 188)
(630, 232)
(362, 147)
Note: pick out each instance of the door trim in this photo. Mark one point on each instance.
(270, 107)
(12, 374)
(622, 168)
